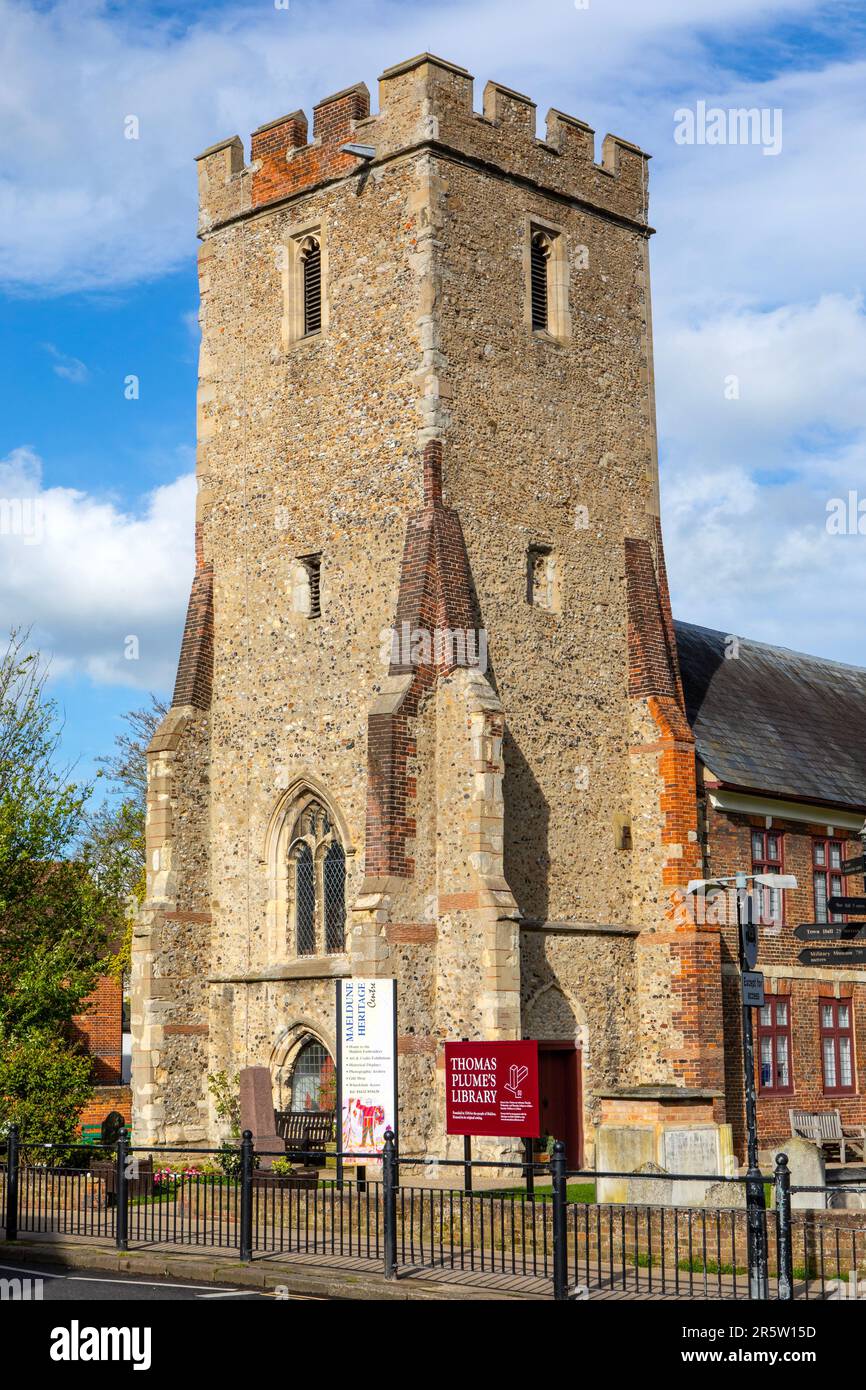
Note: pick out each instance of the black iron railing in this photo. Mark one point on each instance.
(543, 1238)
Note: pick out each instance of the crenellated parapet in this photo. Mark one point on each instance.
(425, 101)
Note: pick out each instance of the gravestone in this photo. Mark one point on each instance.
(257, 1113)
(726, 1194)
(692, 1149)
(806, 1166)
(621, 1149)
(656, 1190)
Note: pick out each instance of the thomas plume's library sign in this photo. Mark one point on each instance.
(491, 1088)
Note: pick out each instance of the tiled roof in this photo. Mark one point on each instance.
(776, 721)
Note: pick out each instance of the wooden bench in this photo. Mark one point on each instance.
(306, 1133)
(824, 1128)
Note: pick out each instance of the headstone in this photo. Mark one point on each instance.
(257, 1113)
(806, 1166)
(725, 1194)
(654, 1191)
(692, 1149)
(621, 1149)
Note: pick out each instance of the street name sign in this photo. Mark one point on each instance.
(753, 989)
(830, 931)
(857, 905)
(830, 955)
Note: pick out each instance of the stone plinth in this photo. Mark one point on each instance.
(662, 1129)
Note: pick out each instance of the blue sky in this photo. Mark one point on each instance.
(757, 277)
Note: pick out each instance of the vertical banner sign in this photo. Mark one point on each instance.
(366, 1065)
(492, 1088)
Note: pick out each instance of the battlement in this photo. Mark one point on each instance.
(423, 101)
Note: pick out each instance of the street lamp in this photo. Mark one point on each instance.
(747, 932)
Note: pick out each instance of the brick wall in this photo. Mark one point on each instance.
(284, 163)
(105, 1100)
(99, 1030)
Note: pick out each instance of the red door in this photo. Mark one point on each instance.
(559, 1084)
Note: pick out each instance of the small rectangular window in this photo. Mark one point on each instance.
(313, 566)
(767, 859)
(311, 258)
(539, 272)
(541, 577)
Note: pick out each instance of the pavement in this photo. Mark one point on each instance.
(84, 1259)
(90, 1285)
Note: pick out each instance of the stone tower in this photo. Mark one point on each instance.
(428, 720)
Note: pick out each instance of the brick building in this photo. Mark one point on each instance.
(428, 722)
(103, 1032)
(781, 775)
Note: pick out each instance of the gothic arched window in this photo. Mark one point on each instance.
(334, 888)
(305, 901)
(313, 1079)
(317, 883)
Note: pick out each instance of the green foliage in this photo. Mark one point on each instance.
(115, 838)
(53, 932)
(44, 1085)
(225, 1090)
(229, 1159)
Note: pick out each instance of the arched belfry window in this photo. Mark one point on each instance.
(539, 273)
(316, 883)
(311, 262)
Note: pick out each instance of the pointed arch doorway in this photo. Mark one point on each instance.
(560, 1091)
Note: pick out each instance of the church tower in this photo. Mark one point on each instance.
(428, 721)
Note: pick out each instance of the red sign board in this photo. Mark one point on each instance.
(492, 1088)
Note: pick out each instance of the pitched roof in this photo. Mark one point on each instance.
(773, 720)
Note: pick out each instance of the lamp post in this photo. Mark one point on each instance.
(747, 934)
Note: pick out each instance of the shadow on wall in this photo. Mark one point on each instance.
(527, 818)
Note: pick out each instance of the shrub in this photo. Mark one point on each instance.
(227, 1100)
(44, 1085)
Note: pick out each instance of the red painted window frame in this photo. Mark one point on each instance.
(772, 1031)
(765, 865)
(836, 1033)
(827, 841)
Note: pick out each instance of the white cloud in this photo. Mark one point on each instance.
(69, 368)
(81, 205)
(756, 265)
(86, 576)
(746, 483)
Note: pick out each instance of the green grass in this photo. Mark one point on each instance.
(696, 1266)
(575, 1192)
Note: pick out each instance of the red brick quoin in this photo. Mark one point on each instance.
(435, 592)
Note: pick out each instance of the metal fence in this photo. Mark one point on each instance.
(537, 1240)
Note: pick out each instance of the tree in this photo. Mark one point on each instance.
(44, 1086)
(53, 934)
(115, 842)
